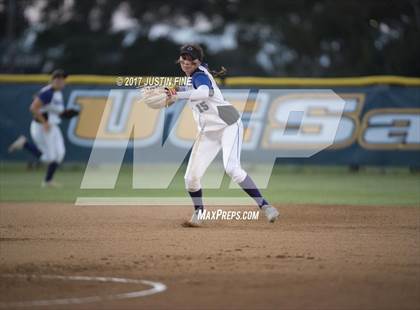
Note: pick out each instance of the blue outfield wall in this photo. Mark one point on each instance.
(380, 124)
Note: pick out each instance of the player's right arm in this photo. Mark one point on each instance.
(202, 89)
(36, 111)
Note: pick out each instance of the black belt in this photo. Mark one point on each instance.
(45, 115)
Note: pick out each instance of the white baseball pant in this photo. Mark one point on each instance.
(205, 149)
(50, 143)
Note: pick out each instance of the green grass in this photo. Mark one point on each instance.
(288, 184)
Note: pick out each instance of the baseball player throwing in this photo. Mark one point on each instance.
(220, 127)
(47, 109)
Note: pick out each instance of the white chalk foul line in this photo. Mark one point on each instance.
(161, 201)
(156, 288)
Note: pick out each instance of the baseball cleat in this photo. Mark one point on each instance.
(17, 145)
(270, 212)
(194, 221)
(51, 184)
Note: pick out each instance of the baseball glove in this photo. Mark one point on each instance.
(154, 97)
(69, 113)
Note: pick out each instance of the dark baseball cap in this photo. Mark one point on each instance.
(59, 73)
(195, 51)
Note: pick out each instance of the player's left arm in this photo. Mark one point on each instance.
(69, 113)
(53, 108)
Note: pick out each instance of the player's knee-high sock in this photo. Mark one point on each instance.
(251, 189)
(30, 147)
(52, 167)
(197, 198)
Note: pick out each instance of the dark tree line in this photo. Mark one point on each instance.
(265, 38)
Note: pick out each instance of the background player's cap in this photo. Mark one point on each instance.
(195, 51)
(59, 73)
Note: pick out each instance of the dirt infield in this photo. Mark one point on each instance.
(315, 257)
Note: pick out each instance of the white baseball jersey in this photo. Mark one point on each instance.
(214, 112)
(51, 143)
(52, 104)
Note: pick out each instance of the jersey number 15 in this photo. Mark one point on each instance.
(202, 106)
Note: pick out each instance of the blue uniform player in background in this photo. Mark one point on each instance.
(47, 109)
